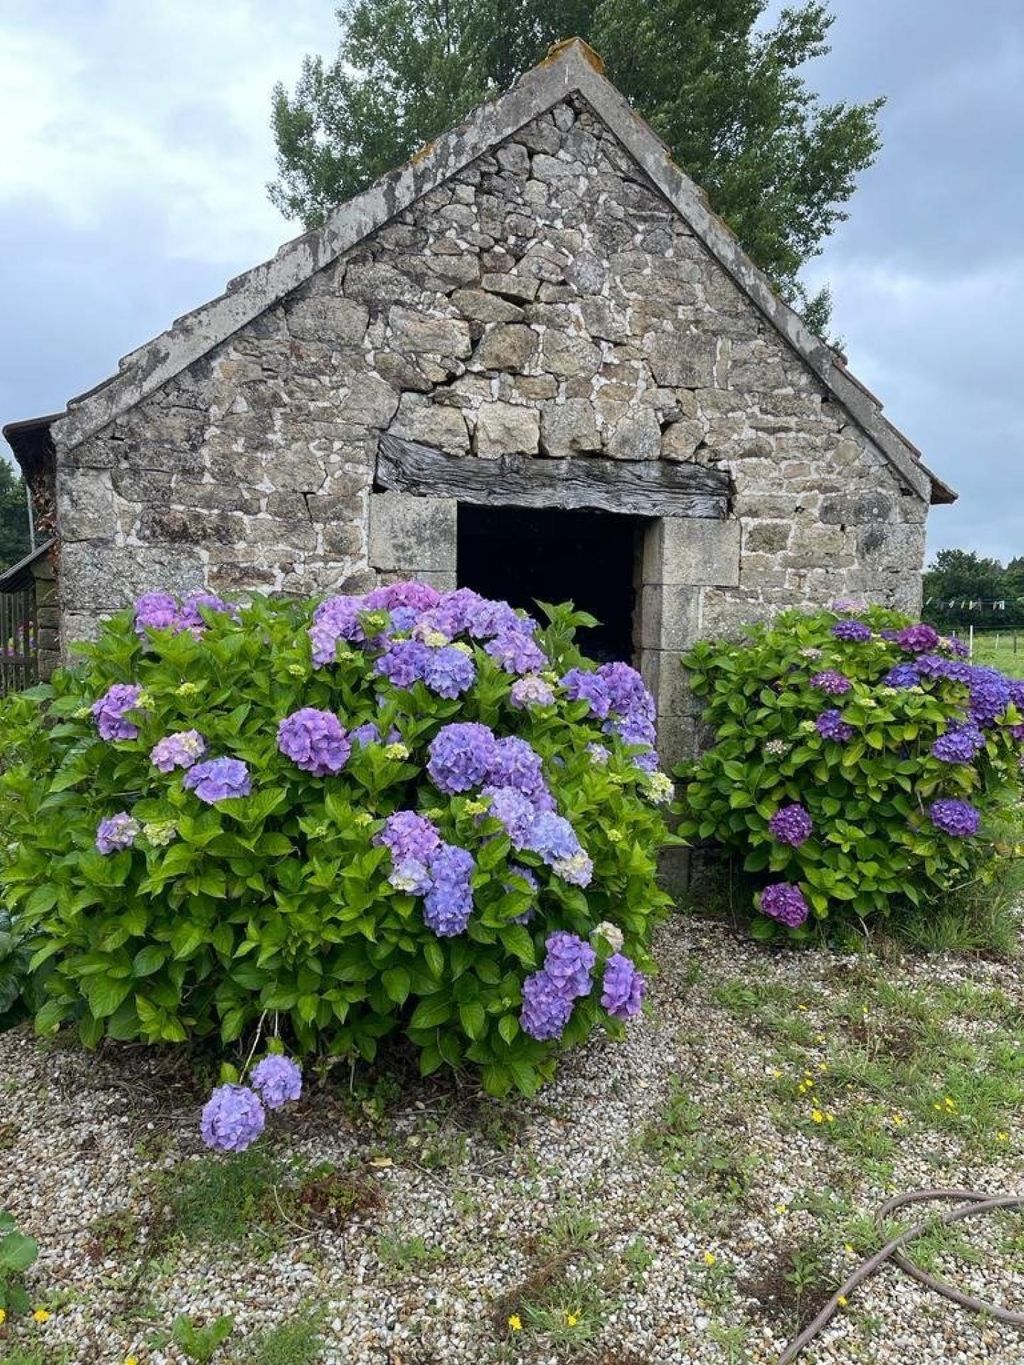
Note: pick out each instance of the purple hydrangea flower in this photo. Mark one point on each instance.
(889, 634)
(831, 682)
(917, 639)
(791, 825)
(190, 616)
(590, 687)
(218, 779)
(410, 876)
(647, 761)
(403, 663)
(409, 835)
(118, 832)
(515, 652)
(959, 745)
(935, 666)
(854, 632)
(367, 733)
(449, 672)
(155, 611)
(902, 676)
(277, 1079)
(955, 646)
(315, 741)
(531, 691)
(568, 961)
(412, 594)
(335, 619)
(623, 987)
(552, 837)
(1016, 687)
(627, 692)
(180, 750)
(111, 710)
(830, 725)
(546, 1009)
(954, 817)
(846, 604)
(461, 757)
(448, 904)
(233, 1118)
(784, 901)
(515, 811)
(632, 728)
(516, 764)
(989, 695)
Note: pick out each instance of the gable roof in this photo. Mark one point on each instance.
(572, 67)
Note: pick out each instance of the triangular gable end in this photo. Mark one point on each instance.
(571, 68)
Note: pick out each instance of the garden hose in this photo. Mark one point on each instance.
(969, 1203)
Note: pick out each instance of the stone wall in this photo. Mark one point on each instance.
(546, 301)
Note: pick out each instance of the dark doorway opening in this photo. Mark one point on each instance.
(523, 554)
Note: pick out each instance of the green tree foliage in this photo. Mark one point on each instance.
(724, 90)
(13, 517)
(962, 587)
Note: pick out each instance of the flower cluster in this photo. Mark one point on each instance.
(958, 818)
(234, 1116)
(549, 995)
(315, 741)
(422, 864)
(623, 987)
(118, 832)
(959, 745)
(791, 825)
(218, 779)
(162, 611)
(831, 682)
(111, 711)
(784, 902)
(830, 725)
(179, 750)
(854, 632)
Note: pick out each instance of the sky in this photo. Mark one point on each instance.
(136, 151)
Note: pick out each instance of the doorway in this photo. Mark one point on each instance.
(524, 554)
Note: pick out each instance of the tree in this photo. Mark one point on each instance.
(960, 577)
(14, 543)
(724, 91)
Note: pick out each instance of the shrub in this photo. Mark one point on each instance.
(370, 816)
(859, 763)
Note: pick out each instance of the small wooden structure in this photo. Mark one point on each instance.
(29, 620)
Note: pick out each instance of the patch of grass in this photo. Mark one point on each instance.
(112, 1235)
(687, 1142)
(296, 1342)
(405, 1253)
(35, 1355)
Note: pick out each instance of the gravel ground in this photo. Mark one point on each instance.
(668, 1200)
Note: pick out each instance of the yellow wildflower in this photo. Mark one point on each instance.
(571, 1319)
(848, 1248)
(781, 1208)
(131, 1360)
(817, 1116)
(3, 1316)
(802, 1007)
(515, 1322)
(842, 1301)
(41, 1315)
(1002, 1137)
(776, 1072)
(710, 1258)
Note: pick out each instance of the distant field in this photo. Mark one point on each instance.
(996, 649)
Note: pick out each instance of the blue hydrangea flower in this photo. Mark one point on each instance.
(403, 663)
(516, 764)
(111, 710)
(409, 835)
(954, 817)
(461, 757)
(959, 745)
(233, 1118)
(335, 619)
(277, 1080)
(830, 725)
(448, 904)
(118, 832)
(791, 825)
(935, 666)
(546, 1009)
(902, 676)
(218, 779)
(515, 811)
(552, 837)
(180, 750)
(627, 692)
(568, 961)
(449, 672)
(315, 741)
(623, 987)
(989, 695)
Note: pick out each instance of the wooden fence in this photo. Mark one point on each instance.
(19, 640)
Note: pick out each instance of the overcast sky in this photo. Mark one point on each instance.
(136, 149)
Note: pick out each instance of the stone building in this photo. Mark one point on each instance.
(532, 360)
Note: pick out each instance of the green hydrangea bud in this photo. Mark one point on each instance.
(160, 832)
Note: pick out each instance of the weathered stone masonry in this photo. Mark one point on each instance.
(545, 300)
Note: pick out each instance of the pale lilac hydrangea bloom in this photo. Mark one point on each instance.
(233, 1118)
(627, 692)
(958, 818)
(568, 961)
(315, 741)
(336, 618)
(461, 756)
(546, 1009)
(190, 616)
(516, 764)
(784, 902)
(410, 593)
(623, 987)
(218, 779)
(846, 604)
(155, 611)
(111, 710)
(791, 825)
(277, 1080)
(179, 750)
(531, 691)
(449, 672)
(408, 834)
(581, 685)
(515, 652)
(515, 811)
(117, 832)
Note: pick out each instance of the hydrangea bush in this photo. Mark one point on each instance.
(408, 810)
(858, 759)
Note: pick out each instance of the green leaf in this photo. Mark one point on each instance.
(517, 939)
(508, 1027)
(17, 1253)
(473, 1018)
(396, 984)
(149, 959)
(104, 994)
(431, 1012)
